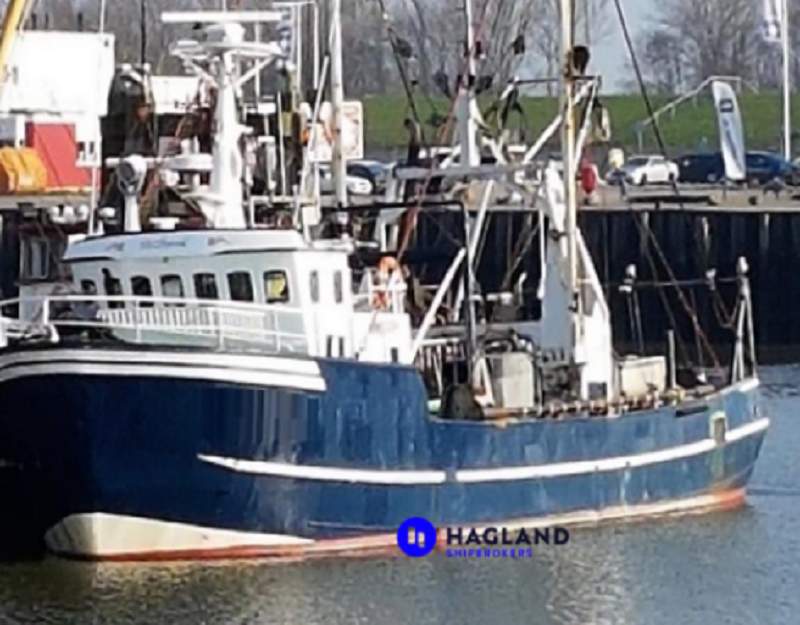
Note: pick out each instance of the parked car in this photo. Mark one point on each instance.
(374, 171)
(643, 170)
(701, 168)
(762, 168)
(356, 185)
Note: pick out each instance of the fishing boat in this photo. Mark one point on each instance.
(221, 388)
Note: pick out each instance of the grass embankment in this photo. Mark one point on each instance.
(693, 126)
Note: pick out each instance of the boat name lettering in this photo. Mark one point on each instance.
(160, 244)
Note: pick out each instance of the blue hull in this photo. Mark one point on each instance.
(93, 443)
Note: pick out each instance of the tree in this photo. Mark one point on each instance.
(437, 29)
(660, 52)
(702, 39)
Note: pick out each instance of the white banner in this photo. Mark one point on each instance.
(773, 20)
(731, 132)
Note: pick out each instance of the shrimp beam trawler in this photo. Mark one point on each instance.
(225, 389)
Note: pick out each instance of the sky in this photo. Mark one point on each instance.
(611, 58)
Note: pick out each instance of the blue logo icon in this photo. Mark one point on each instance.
(416, 537)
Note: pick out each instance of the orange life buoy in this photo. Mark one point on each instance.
(386, 268)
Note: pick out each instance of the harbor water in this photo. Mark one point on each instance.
(738, 567)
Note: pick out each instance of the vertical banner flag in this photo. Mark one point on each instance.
(773, 20)
(731, 133)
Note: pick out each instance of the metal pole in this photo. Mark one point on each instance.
(102, 16)
(787, 85)
(317, 50)
(466, 121)
(143, 27)
(337, 101)
(568, 156)
(470, 155)
(472, 346)
(257, 84)
(673, 380)
(299, 47)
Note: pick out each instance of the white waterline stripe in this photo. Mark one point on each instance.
(472, 476)
(326, 474)
(562, 469)
(261, 363)
(746, 430)
(234, 376)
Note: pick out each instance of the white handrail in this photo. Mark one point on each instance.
(152, 319)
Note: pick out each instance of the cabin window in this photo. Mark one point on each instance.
(276, 287)
(141, 287)
(205, 286)
(172, 287)
(88, 287)
(241, 286)
(113, 288)
(338, 287)
(314, 284)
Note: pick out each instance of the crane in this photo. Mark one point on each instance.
(12, 23)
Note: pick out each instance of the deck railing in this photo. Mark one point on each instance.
(162, 320)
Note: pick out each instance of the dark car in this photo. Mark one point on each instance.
(765, 167)
(762, 168)
(702, 168)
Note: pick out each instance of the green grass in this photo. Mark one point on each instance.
(694, 121)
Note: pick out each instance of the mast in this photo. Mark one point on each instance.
(468, 129)
(568, 157)
(337, 101)
(470, 157)
(222, 54)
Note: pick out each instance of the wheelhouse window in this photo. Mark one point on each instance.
(172, 287)
(276, 287)
(314, 286)
(205, 286)
(141, 287)
(338, 287)
(113, 288)
(240, 285)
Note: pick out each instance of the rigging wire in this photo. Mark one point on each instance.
(413, 214)
(393, 42)
(640, 221)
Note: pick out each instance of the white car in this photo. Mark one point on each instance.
(356, 185)
(644, 170)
